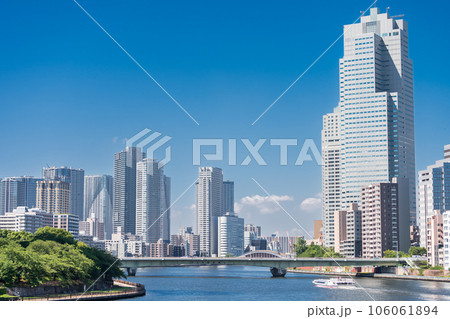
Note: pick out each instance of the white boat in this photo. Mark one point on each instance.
(334, 282)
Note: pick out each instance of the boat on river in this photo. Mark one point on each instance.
(338, 282)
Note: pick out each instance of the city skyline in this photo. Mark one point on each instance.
(256, 151)
(96, 151)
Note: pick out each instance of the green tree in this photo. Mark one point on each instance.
(437, 268)
(21, 237)
(52, 255)
(300, 247)
(314, 250)
(417, 251)
(64, 263)
(59, 235)
(389, 254)
(107, 265)
(18, 265)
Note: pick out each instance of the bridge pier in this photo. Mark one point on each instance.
(131, 272)
(278, 272)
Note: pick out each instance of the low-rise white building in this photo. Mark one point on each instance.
(126, 245)
(26, 219)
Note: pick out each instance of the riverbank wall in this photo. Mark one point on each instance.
(53, 288)
(378, 272)
(130, 290)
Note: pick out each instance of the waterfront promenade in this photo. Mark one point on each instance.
(129, 290)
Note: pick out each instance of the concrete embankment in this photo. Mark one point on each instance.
(325, 273)
(372, 275)
(131, 290)
(410, 277)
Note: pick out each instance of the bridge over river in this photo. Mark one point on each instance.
(272, 261)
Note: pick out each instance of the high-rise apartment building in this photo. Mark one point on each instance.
(230, 235)
(17, 191)
(209, 206)
(331, 173)
(435, 239)
(124, 203)
(98, 200)
(384, 219)
(446, 230)
(228, 197)
(375, 116)
(12, 194)
(75, 177)
(53, 196)
(165, 209)
(348, 232)
(433, 192)
(152, 202)
(30, 183)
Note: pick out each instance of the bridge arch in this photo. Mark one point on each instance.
(262, 254)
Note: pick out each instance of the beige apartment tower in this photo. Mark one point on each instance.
(53, 196)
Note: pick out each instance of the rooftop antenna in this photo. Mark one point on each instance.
(387, 10)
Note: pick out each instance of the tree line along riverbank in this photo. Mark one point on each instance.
(52, 258)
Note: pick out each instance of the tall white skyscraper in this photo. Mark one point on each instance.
(331, 173)
(148, 200)
(152, 202)
(124, 204)
(433, 192)
(376, 114)
(98, 200)
(209, 205)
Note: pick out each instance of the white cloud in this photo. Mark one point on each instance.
(261, 204)
(311, 204)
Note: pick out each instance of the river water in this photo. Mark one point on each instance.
(254, 283)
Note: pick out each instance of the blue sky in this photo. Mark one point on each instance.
(70, 96)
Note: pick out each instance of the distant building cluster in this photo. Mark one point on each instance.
(434, 210)
(220, 230)
(128, 214)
